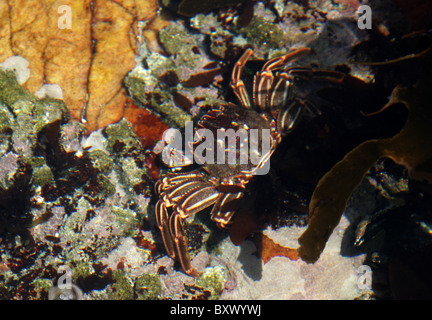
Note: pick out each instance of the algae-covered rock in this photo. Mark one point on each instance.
(126, 219)
(23, 118)
(6, 118)
(126, 149)
(144, 87)
(176, 40)
(8, 168)
(122, 288)
(82, 270)
(263, 33)
(42, 175)
(148, 287)
(85, 208)
(11, 91)
(42, 286)
(123, 134)
(212, 280)
(160, 82)
(101, 161)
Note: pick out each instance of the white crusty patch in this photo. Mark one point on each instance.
(19, 65)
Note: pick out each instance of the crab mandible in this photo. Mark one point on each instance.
(273, 107)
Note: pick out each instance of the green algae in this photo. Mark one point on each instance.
(6, 119)
(156, 99)
(125, 148)
(42, 175)
(121, 133)
(262, 33)
(145, 287)
(100, 160)
(23, 119)
(82, 270)
(148, 287)
(11, 91)
(176, 41)
(212, 280)
(105, 186)
(42, 286)
(125, 219)
(20, 101)
(122, 288)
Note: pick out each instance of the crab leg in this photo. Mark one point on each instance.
(307, 74)
(163, 224)
(281, 91)
(181, 246)
(186, 194)
(180, 177)
(262, 84)
(311, 108)
(197, 200)
(237, 84)
(276, 63)
(287, 119)
(225, 208)
(263, 81)
(177, 193)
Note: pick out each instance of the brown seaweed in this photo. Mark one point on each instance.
(411, 147)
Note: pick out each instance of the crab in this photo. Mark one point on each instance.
(273, 107)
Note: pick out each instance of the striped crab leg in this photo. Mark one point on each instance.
(308, 73)
(225, 208)
(180, 241)
(185, 195)
(237, 83)
(287, 110)
(266, 88)
(287, 119)
(162, 220)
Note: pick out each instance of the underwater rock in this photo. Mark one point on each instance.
(212, 281)
(172, 86)
(259, 33)
(148, 287)
(122, 289)
(83, 198)
(23, 119)
(333, 277)
(8, 168)
(191, 7)
(156, 100)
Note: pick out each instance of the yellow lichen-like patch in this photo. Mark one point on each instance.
(88, 60)
(5, 31)
(112, 60)
(67, 57)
